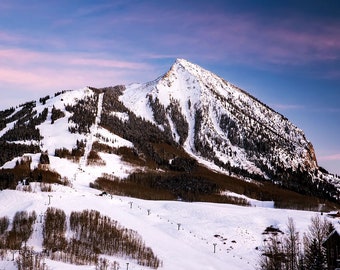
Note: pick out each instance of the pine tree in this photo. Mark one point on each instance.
(314, 257)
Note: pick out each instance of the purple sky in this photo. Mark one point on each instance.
(286, 53)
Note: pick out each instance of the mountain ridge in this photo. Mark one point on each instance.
(194, 114)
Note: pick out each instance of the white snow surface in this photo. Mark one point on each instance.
(54, 134)
(188, 246)
(239, 229)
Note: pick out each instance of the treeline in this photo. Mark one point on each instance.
(265, 191)
(303, 182)
(142, 133)
(300, 180)
(9, 178)
(174, 111)
(92, 235)
(84, 114)
(43, 100)
(108, 237)
(74, 154)
(29, 259)
(290, 251)
(25, 125)
(94, 159)
(25, 111)
(12, 150)
(3, 115)
(166, 186)
(181, 124)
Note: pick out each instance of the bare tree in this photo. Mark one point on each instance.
(292, 246)
(273, 257)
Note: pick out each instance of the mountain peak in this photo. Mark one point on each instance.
(183, 62)
(202, 75)
(194, 69)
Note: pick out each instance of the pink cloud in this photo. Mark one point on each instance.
(322, 44)
(85, 60)
(35, 82)
(23, 57)
(330, 157)
(44, 73)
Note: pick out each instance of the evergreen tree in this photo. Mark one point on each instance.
(314, 256)
(44, 159)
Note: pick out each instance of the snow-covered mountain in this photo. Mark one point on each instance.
(186, 117)
(214, 119)
(187, 136)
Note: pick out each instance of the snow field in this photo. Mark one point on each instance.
(183, 235)
(235, 230)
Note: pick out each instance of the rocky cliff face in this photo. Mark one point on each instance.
(220, 123)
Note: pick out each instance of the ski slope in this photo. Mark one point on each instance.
(181, 234)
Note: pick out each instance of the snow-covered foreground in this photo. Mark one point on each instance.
(181, 234)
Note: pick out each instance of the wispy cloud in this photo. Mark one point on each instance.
(250, 39)
(328, 110)
(118, 38)
(333, 157)
(333, 74)
(288, 106)
(6, 36)
(276, 42)
(299, 107)
(244, 38)
(36, 71)
(25, 57)
(104, 63)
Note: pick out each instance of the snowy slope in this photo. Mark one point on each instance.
(216, 123)
(233, 124)
(191, 247)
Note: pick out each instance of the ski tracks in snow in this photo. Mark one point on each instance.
(89, 138)
(213, 243)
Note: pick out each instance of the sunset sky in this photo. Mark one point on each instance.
(285, 53)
